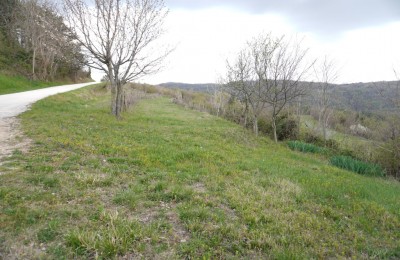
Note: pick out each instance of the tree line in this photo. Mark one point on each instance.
(37, 43)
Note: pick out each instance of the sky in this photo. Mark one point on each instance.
(361, 36)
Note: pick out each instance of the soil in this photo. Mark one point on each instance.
(11, 138)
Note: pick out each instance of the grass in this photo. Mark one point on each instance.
(305, 147)
(13, 84)
(355, 145)
(167, 183)
(360, 167)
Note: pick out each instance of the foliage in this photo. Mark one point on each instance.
(348, 163)
(310, 137)
(389, 157)
(176, 183)
(286, 127)
(305, 147)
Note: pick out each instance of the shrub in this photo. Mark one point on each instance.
(360, 167)
(286, 127)
(305, 148)
(313, 138)
(389, 157)
(264, 126)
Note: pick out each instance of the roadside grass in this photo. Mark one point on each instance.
(14, 84)
(167, 182)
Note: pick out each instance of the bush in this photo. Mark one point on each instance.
(360, 167)
(389, 157)
(313, 138)
(265, 126)
(319, 141)
(305, 148)
(286, 127)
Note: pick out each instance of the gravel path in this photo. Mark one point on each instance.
(12, 105)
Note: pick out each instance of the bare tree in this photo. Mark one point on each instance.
(268, 72)
(40, 30)
(219, 98)
(119, 37)
(281, 78)
(326, 74)
(262, 49)
(239, 85)
(31, 27)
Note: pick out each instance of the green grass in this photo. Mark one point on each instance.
(167, 183)
(360, 167)
(305, 147)
(12, 84)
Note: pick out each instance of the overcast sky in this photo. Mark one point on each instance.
(362, 36)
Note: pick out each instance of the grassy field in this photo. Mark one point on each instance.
(10, 84)
(167, 183)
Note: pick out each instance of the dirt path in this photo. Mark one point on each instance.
(11, 105)
(11, 137)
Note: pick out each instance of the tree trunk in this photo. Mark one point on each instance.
(246, 111)
(274, 129)
(117, 99)
(255, 125)
(33, 64)
(324, 129)
(298, 117)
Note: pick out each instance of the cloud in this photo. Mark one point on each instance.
(318, 16)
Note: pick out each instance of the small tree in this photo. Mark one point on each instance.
(281, 77)
(326, 74)
(239, 77)
(268, 72)
(119, 38)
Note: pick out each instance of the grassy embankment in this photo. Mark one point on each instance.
(167, 182)
(14, 84)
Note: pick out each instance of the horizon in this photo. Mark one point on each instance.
(360, 36)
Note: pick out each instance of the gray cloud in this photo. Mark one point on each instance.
(319, 16)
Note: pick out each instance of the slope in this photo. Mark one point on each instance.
(14, 84)
(167, 182)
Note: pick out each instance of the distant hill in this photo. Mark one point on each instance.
(203, 87)
(360, 97)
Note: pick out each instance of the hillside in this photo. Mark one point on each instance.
(167, 182)
(203, 87)
(14, 84)
(360, 97)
